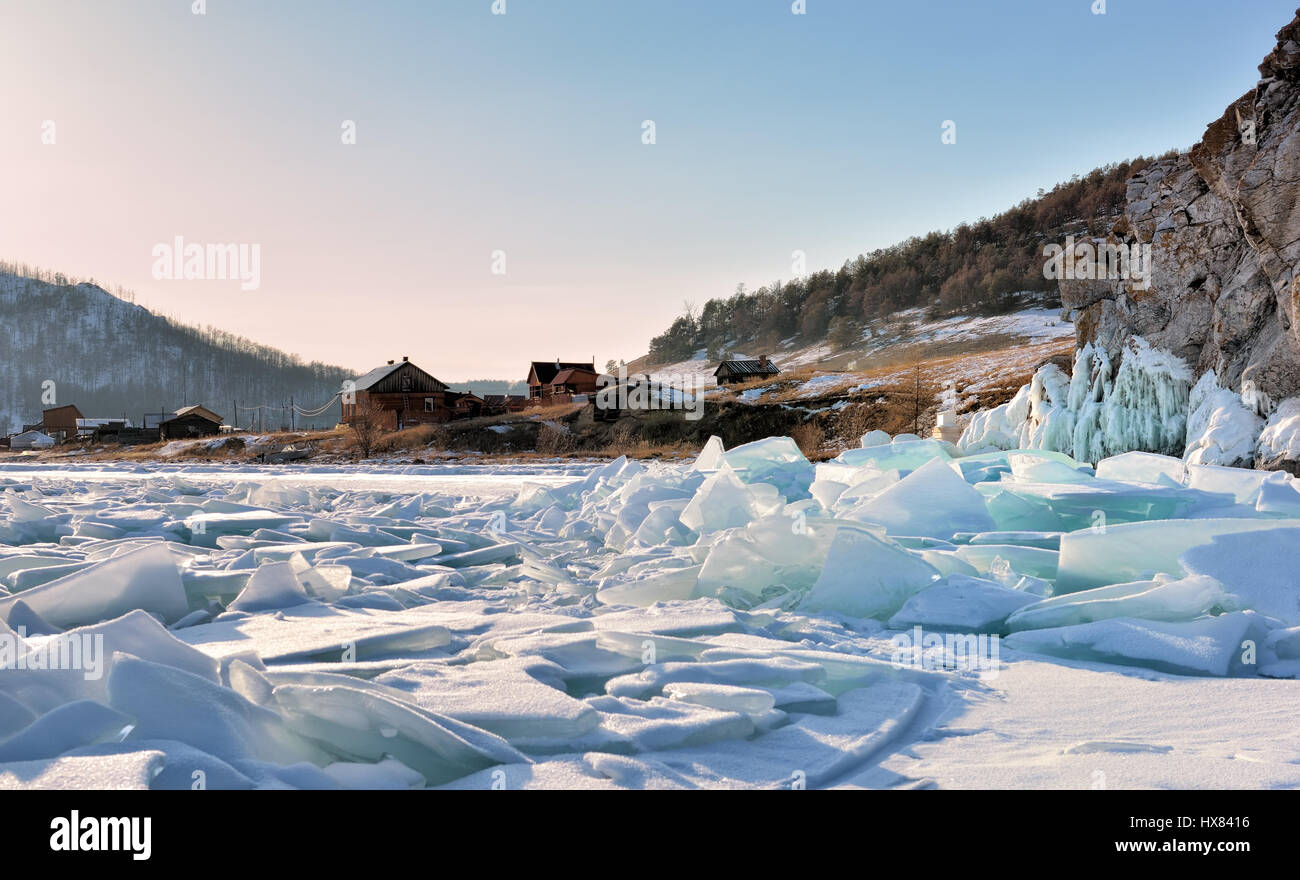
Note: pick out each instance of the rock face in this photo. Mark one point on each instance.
(1223, 223)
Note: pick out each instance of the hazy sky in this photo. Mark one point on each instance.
(523, 133)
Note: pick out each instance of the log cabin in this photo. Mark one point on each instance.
(190, 421)
(737, 372)
(403, 395)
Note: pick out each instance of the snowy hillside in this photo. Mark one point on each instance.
(110, 358)
(908, 334)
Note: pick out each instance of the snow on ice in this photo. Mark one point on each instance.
(749, 619)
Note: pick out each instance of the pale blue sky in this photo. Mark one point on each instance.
(522, 133)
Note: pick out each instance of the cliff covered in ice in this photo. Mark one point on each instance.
(1200, 356)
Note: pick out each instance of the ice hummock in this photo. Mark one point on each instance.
(1097, 411)
(707, 623)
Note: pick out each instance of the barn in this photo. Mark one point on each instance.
(399, 394)
(190, 421)
(737, 372)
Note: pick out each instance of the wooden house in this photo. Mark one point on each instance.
(500, 404)
(401, 395)
(737, 372)
(190, 421)
(466, 404)
(541, 378)
(574, 381)
(60, 423)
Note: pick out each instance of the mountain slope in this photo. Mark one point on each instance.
(112, 358)
(980, 268)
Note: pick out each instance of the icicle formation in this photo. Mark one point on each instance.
(1089, 387)
(1090, 416)
(1051, 422)
(1147, 408)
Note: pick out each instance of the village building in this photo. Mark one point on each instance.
(574, 381)
(190, 421)
(737, 372)
(121, 431)
(31, 440)
(500, 404)
(542, 374)
(466, 404)
(87, 428)
(58, 423)
(400, 395)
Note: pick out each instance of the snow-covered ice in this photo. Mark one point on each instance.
(910, 614)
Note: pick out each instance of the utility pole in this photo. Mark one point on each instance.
(291, 413)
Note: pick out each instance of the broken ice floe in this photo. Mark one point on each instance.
(729, 622)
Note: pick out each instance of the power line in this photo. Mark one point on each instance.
(297, 409)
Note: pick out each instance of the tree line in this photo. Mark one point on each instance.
(977, 268)
(112, 358)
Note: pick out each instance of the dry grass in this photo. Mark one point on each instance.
(545, 413)
(415, 437)
(810, 438)
(552, 440)
(624, 441)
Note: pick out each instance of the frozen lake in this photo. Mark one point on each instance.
(899, 617)
(456, 479)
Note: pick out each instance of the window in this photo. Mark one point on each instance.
(428, 404)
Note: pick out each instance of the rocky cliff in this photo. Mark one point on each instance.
(1223, 225)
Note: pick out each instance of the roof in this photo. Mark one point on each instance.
(747, 368)
(378, 374)
(545, 371)
(201, 411)
(494, 399)
(66, 406)
(568, 375)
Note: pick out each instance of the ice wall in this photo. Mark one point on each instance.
(1150, 404)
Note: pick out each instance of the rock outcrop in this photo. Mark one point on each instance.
(1223, 224)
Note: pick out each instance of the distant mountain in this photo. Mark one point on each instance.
(112, 358)
(492, 386)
